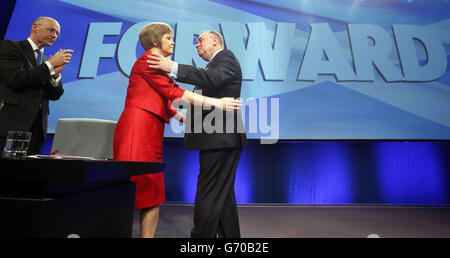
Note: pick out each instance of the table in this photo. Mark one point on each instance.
(61, 198)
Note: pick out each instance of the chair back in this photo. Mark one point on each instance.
(84, 137)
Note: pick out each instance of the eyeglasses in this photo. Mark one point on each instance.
(53, 31)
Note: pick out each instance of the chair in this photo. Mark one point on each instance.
(84, 137)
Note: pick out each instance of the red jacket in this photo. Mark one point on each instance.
(152, 89)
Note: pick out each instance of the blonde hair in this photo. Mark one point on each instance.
(152, 33)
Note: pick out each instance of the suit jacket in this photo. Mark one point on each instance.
(25, 87)
(152, 90)
(222, 77)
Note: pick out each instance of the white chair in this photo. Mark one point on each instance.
(84, 137)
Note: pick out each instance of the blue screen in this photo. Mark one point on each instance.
(326, 69)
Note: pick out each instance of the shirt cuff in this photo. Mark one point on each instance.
(50, 68)
(173, 73)
(58, 79)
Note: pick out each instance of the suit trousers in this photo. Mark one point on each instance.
(215, 211)
(2, 143)
(37, 138)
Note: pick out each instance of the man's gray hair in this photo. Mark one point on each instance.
(217, 35)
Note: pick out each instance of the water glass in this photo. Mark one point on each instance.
(16, 145)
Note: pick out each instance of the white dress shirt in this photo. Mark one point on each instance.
(49, 65)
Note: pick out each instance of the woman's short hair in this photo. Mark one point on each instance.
(152, 33)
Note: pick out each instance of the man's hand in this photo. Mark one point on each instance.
(159, 62)
(58, 71)
(62, 57)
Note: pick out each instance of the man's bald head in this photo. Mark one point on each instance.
(44, 31)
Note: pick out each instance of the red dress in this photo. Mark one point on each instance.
(140, 130)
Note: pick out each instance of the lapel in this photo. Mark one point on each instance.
(217, 56)
(29, 54)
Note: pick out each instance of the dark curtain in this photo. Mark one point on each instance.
(6, 8)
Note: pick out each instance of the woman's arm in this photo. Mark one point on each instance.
(167, 87)
(227, 104)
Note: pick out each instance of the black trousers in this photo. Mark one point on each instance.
(37, 138)
(215, 211)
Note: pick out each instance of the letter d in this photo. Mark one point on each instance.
(437, 57)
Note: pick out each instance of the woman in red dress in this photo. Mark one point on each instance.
(140, 130)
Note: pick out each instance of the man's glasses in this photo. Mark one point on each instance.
(54, 31)
(51, 31)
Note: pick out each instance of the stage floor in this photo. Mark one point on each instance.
(316, 221)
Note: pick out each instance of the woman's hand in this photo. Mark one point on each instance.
(228, 104)
(180, 117)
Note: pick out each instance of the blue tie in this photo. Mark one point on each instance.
(39, 57)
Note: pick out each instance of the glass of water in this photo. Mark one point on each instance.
(16, 145)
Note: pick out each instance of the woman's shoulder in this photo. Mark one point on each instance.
(141, 64)
(144, 56)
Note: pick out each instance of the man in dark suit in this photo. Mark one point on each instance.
(220, 145)
(28, 80)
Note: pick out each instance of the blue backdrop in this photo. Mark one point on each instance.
(323, 172)
(341, 69)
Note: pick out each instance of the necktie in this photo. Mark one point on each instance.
(39, 56)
